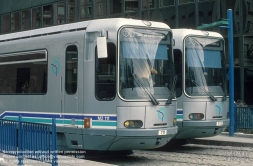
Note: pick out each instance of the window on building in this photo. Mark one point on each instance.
(100, 7)
(71, 69)
(26, 20)
(59, 12)
(23, 73)
(185, 1)
(164, 3)
(85, 9)
(47, 16)
(169, 16)
(148, 4)
(186, 14)
(6, 23)
(15, 21)
(36, 17)
(208, 13)
(115, 7)
(72, 11)
(105, 75)
(131, 5)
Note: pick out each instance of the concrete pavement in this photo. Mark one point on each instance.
(9, 160)
(239, 140)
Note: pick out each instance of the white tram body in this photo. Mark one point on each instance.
(201, 89)
(90, 77)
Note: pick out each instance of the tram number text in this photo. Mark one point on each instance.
(219, 123)
(162, 132)
(103, 118)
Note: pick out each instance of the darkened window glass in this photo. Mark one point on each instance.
(178, 68)
(23, 57)
(169, 16)
(23, 76)
(47, 15)
(148, 4)
(26, 20)
(71, 69)
(105, 74)
(186, 16)
(6, 26)
(164, 3)
(185, 1)
(15, 22)
(131, 6)
(100, 8)
(60, 12)
(208, 13)
(36, 17)
(85, 10)
(72, 11)
(115, 7)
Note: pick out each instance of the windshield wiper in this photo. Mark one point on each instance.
(204, 90)
(169, 101)
(172, 92)
(138, 81)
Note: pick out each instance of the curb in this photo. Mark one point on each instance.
(220, 143)
(239, 135)
(223, 139)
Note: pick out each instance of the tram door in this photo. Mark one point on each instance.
(71, 93)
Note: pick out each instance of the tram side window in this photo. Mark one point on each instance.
(105, 74)
(178, 68)
(23, 73)
(71, 70)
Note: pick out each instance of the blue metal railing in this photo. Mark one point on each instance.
(243, 118)
(8, 136)
(32, 140)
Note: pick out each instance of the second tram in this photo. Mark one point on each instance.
(201, 88)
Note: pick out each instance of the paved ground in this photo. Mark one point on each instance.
(239, 140)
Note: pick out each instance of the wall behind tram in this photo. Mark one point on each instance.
(14, 5)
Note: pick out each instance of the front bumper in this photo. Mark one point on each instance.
(198, 129)
(133, 139)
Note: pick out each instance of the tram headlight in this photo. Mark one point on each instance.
(133, 123)
(196, 116)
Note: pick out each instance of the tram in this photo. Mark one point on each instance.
(201, 88)
(103, 80)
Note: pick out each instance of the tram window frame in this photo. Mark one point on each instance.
(178, 63)
(71, 74)
(105, 74)
(23, 73)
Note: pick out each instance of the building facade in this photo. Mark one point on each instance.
(22, 15)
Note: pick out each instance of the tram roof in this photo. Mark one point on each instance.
(182, 33)
(89, 26)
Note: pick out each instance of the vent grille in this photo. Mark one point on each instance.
(160, 124)
(216, 117)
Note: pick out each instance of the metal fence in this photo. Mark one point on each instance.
(29, 140)
(244, 118)
(8, 136)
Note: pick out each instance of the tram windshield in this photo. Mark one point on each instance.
(145, 64)
(205, 72)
